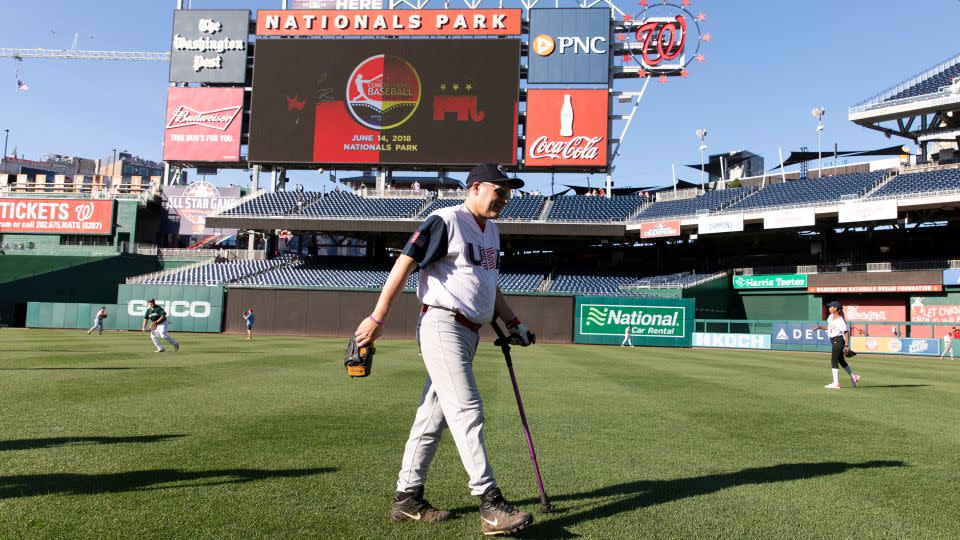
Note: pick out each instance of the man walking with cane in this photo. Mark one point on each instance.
(458, 252)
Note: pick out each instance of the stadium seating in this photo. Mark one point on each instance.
(348, 205)
(215, 273)
(683, 279)
(920, 182)
(520, 282)
(598, 209)
(711, 201)
(621, 285)
(829, 189)
(279, 203)
(437, 205)
(929, 85)
(518, 209)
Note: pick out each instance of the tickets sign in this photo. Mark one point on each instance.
(56, 216)
(203, 124)
(566, 128)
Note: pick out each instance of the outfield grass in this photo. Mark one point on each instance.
(102, 438)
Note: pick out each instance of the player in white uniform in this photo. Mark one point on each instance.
(948, 343)
(839, 339)
(98, 321)
(458, 252)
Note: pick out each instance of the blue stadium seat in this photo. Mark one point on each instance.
(829, 189)
(279, 203)
(711, 201)
(596, 209)
(921, 182)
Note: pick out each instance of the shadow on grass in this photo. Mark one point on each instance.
(30, 485)
(892, 386)
(64, 368)
(608, 502)
(31, 444)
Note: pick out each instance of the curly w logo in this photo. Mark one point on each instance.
(597, 316)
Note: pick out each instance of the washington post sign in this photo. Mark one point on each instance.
(657, 322)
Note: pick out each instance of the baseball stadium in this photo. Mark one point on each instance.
(765, 351)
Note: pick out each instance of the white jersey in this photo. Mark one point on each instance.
(459, 263)
(100, 315)
(948, 337)
(836, 326)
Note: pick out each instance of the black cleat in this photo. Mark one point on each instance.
(498, 517)
(411, 506)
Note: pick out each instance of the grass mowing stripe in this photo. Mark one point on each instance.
(270, 439)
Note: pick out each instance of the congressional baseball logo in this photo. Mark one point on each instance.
(613, 320)
(84, 211)
(383, 92)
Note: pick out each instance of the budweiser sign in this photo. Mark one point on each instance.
(219, 119)
(566, 128)
(203, 124)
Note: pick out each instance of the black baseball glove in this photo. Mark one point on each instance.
(849, 353)
(359, 360)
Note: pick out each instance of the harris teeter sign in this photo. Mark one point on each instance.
(651, 321)
(773, 281)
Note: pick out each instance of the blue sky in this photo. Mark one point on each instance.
(768, 64)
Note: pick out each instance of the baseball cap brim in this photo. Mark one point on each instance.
(492, 172)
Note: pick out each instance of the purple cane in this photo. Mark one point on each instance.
(504, 343)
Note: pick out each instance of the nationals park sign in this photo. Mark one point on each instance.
(664, 322)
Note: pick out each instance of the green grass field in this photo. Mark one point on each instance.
(102, 438)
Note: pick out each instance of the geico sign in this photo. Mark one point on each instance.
(174, 308)
(544, 45)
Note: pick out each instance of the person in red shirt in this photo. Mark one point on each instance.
(956, 333)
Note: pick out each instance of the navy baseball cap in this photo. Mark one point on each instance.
(834, 304)
(491, 172)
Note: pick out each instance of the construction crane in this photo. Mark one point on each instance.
(73, 54)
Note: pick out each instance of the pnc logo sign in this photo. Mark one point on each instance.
(545, 45)
(174, 308)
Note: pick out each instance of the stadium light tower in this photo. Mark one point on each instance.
(6, 137)
(818, 113)
(702, 134)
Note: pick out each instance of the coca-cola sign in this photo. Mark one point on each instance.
(566, 128)
(203, 124)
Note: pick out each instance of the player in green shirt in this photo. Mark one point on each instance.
(158, 326)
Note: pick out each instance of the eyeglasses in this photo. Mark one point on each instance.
(502, 192)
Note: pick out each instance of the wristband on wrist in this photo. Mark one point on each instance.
(374, 319)
(513, 323)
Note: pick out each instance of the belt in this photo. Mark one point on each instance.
(834, 338)
(457, 317)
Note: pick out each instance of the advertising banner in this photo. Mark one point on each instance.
(56, 216)
(932, 309)
(203, 124)
(773, 281)
(666, 322)
(566, 128)
(569, 46)
(660, 229)
(720, 224)
(951, 277)
(798, 334)
(190, 308)
(335, 4)
(867, 211)
(873, 310)
(195, 202)
(390, 22)
(788, 218)
(874, 288)
(892, 345)
(209, 45)
(385, 101)
(731, 341)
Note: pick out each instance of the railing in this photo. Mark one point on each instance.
(909, 83)
(222, 253)
(391, 193)
(246, 198)
(451, 193)
(681, 194)
(850, 266)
